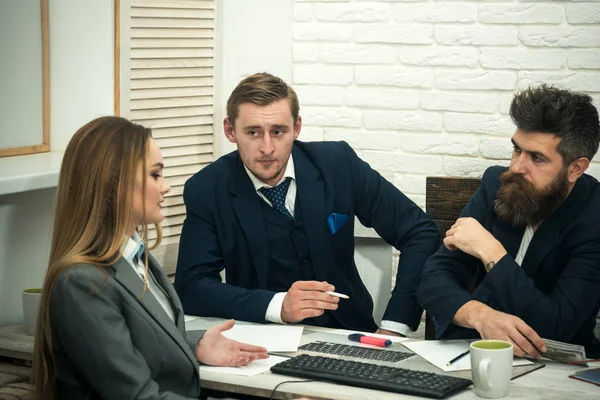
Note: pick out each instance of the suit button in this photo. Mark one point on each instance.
(304, 261)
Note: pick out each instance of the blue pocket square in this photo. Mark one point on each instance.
(335, 221)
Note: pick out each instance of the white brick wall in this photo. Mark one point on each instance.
(424, 87)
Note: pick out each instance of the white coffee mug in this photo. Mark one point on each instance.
(31, 301)
(491, 367)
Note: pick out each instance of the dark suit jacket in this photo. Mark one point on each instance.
(109, 344)
(224, 228)
(556, 291)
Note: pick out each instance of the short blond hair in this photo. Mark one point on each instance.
(261, 89)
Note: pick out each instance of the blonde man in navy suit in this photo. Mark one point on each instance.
(110, 324)
(278, 215)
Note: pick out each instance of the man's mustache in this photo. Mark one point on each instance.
(515, 179)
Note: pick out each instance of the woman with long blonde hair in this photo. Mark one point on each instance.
(110, 325)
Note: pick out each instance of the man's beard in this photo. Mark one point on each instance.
(519, 203)
(269, 176)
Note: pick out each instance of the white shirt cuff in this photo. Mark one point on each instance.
(274, 309)
(397, 327)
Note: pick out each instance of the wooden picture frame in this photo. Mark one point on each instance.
(45, 145)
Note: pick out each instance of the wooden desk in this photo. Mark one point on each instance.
(16, 344)
(16, 350)
(549, 383)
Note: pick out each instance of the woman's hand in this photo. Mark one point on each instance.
(216, 349)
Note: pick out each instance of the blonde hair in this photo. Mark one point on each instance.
(261, 89)
(94, 210)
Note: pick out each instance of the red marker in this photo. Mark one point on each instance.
(359, 337)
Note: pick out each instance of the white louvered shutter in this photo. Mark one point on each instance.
(171, 91)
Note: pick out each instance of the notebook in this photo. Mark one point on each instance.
(591, 375)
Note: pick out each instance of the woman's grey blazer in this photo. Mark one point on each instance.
(111, 343)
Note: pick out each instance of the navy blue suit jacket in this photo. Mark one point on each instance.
(224, 228)
(556, 290)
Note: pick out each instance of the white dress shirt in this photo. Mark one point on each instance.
(131, 246)
(527, 236)
(273, 313)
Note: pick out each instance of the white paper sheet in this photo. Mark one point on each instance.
(254, 368)
(439, 352)
(345, 332)
(272, 337)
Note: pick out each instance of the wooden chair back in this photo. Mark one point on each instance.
(445, 199)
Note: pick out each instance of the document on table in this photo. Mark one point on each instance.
(272, 337)
(439, 352)
(254, 368)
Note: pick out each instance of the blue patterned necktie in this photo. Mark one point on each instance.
(276, 195)
(139, 254)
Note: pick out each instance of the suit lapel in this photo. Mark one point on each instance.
(547, 235)
(311, 196)
(247, 208)
(543, 241)
(166, 285)
(508, 235)
(126, 276)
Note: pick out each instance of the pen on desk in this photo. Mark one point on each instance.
(455, 359)
(343, 296)
(359, 337)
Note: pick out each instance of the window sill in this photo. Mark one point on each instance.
(40, 171)
(31, 172)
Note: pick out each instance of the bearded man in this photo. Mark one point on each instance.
(529, 236)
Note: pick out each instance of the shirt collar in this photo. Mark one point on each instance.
(289, 172)
(130, 246)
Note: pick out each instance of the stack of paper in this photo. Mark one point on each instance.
(281, 338)
(564, 352)
(254, 368)
(439, 352)
(271, 337)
